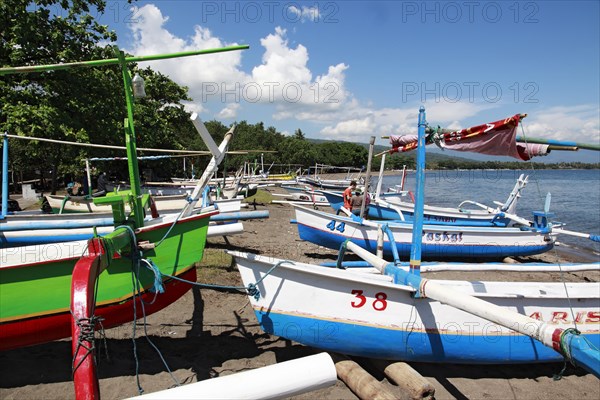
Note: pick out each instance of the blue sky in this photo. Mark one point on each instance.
(348, 70)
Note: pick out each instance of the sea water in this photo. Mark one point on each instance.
(575, 195)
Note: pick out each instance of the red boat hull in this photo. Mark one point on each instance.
(44, 329)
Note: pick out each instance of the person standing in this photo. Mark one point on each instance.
(348, 195)
(357, 201)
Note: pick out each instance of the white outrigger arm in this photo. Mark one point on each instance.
(218, 155)
(508, 206)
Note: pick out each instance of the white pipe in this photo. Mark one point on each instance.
(380, 239)
(380, 181)
(571, 233)
(403, 177)
(89, 176)
(277, 381)
(225, 229)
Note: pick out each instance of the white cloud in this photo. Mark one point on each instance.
(398, 121)
(305, 13)
(284, 83)
(229, 112)
(285, 70)
(151, 37)
(283, 79)
(579, 123)
(351, 128)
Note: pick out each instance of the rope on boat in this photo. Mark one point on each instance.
(87, 330)
(537, 184)
(171, 227)
(158, 286)
(341, 253)
(136, 260)
(251, 289)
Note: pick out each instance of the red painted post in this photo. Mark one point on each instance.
(83, 285)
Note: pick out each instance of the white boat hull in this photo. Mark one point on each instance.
(365, 314)
(438, 241)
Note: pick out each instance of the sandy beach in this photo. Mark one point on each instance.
(210, 333)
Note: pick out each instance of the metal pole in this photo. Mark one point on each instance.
(4, 176)
(417, 233)
(380, 181)
(367, 177)
(113, 61)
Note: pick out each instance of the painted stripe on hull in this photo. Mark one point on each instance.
(438, 250)
(396, 344)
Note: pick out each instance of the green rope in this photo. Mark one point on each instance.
(341, 254)
(136, 261)
(564, 349)
(559, 376)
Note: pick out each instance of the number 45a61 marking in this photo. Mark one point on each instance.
(379, 304)
(340, 227)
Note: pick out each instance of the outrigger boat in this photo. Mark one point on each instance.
(390, 312)
(44, 298)
(440, 242)
(367, 314)
(319, 182)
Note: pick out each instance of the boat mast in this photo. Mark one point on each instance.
(417, 233)
(130, 143)
(367, 177)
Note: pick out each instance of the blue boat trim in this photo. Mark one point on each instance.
(408, 345)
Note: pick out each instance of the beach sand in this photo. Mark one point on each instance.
(210, 333)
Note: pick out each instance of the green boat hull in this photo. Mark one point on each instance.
(33, 291)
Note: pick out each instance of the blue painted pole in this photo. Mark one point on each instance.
(4, 177)
(417, 233)
(581, 352)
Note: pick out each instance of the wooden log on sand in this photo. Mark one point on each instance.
(403, 375)
(365, 386)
